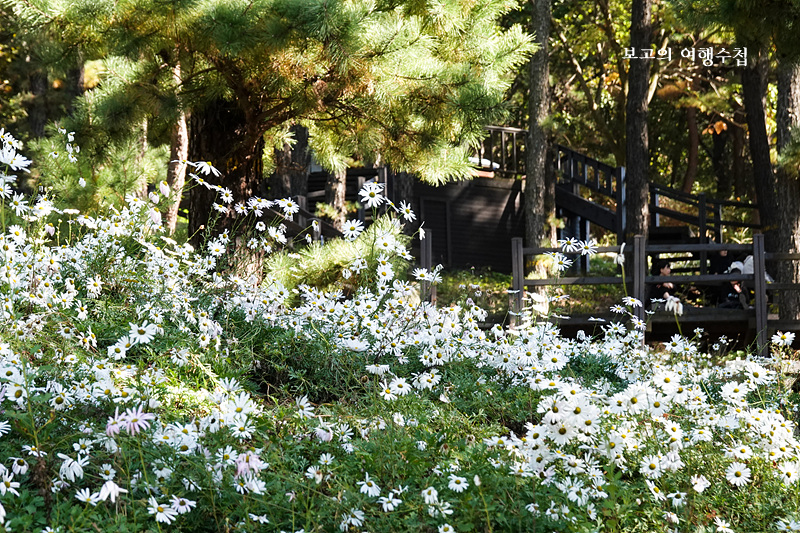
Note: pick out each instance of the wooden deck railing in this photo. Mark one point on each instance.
(638, 279)
(705, 213)
(503, 152)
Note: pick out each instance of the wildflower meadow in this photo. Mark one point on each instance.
(149, 386)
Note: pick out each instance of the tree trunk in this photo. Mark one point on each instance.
(178, 154)
(536, 214)
(75, 82)
(637, 146)
(753, 91)
(694, 148)
(142, 191)
(220, 135)
(788, 188)
(739, 164)
(37, 109)
(722, 170)
(335, 188)
(176, 170)
(292, 166)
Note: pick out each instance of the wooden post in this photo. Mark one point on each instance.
(361, 214)
(639, 273)
(514, 152)
(383, 177)
(503, 148)
(703, 223)
(760, 287)
(584, 259)
(426, 260)
(718, 222)
(654, 201)
(622, 229)
(518, 276)
(303, 203)
(316, 229)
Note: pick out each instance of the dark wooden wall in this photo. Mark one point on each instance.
(472, 222)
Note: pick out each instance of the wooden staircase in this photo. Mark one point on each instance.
(589, 191)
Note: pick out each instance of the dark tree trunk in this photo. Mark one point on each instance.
(739, 164)
(637, 145)
(694, 148)
(537, 206)
(37, 108)
(220, 135)
(335, 188)
(722, 170)
(75, 85)
(292, 166)
(788, 188)
(753, 90)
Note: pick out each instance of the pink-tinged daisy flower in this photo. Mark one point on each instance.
(115, 423)
(136, 420)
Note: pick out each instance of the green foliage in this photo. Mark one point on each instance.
(111, 170)
(414, 83)
(329, 265)
(486, 288)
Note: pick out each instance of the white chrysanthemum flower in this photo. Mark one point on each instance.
(457, 483)
(738, 474)
(369, 487)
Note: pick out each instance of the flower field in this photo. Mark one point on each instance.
(148, 386)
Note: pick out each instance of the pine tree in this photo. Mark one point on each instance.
(412, 81)
(539, 179)
(637, 152)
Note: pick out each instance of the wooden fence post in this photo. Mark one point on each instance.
(654, 204)
(639, 273)
(718, 222)
(760, 288)
(302, 202)
(316, 229)
(621, 197)
(426, 260)
(518, 277)
(361, 215)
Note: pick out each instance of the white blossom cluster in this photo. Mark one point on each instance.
(649, 416)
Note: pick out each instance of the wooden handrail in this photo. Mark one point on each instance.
(640, 279)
